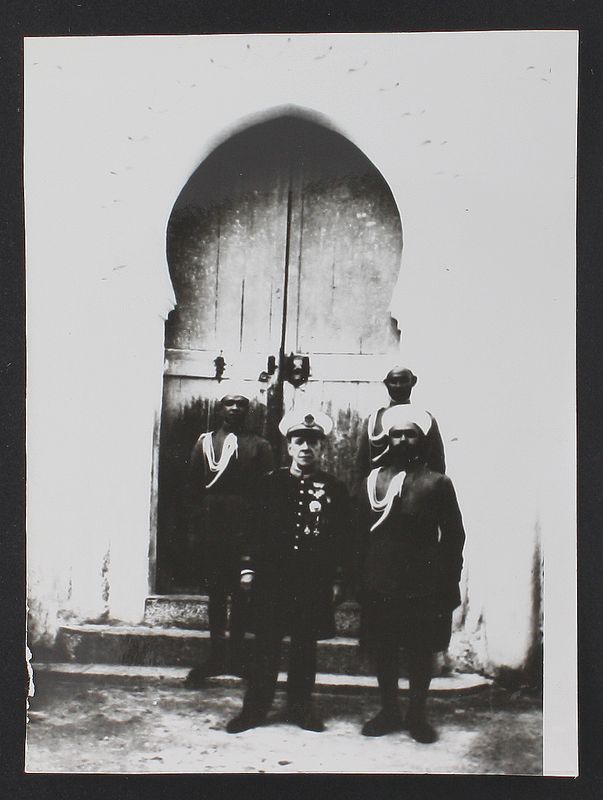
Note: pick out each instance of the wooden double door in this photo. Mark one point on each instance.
(285, 241)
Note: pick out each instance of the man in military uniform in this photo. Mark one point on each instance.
(295, 566)
(225, 468)
(374, 443)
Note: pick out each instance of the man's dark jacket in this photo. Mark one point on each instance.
(298, 548)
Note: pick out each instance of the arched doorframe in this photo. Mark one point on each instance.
(240, 124)
(239, 127)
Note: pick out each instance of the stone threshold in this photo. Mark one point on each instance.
(455, 683)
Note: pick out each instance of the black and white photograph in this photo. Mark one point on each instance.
(301, 416)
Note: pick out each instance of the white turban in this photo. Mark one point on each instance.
(401, 416)
(231, 387)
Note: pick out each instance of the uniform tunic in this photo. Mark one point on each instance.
(298, 550)
(297, 554)
(411, 563)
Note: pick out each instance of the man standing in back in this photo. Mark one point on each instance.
(374, 443)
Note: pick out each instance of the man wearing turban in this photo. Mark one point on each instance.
(399, 383)
(226, 465)
(411, 547)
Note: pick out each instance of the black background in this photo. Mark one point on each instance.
(107, 17)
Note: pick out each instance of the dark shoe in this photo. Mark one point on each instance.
(384, 722)
(310, 721)
(196, 677)
(421, 730)
(244, 722)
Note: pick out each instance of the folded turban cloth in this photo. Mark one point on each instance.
(232, 387)
(401, 416)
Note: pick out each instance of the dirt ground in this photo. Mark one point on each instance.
(84, 727)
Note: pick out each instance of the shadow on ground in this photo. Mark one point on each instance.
(77, 726)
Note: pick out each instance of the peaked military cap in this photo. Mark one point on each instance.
(305, 421)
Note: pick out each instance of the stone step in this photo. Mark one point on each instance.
(189, 611)
(174, 676)
(141, 645)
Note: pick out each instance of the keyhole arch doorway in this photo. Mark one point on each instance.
(285, 239)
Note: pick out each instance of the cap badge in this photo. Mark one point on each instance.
(308, 420)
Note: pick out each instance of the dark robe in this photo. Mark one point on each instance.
(224, 511)
(222, 516)
(410, 565)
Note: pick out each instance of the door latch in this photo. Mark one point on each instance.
(220, 365)
(267, 373)
(297, 369)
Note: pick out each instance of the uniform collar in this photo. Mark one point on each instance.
(299, 475)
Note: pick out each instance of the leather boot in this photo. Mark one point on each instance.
(388, 720)
(244, 721)
(214, 665)
(311, 720)
(418, 726)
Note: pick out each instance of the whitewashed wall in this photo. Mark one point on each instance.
(475, 133)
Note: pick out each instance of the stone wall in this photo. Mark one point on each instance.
(475, 136)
